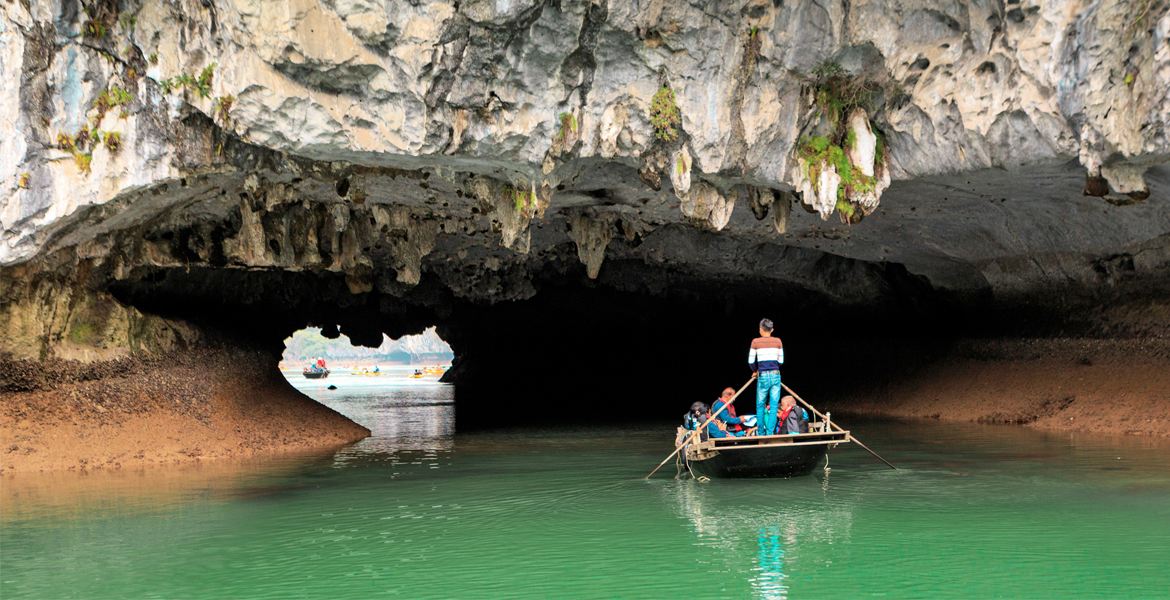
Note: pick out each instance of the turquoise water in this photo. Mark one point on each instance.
(420, 510)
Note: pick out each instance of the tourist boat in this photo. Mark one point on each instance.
(765, 455)
(310, 374)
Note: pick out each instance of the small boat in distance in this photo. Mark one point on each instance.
(311, 374)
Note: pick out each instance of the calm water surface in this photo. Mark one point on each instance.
(420, 510)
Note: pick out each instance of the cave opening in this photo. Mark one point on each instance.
(552, 324)
(425, 352)
(586, 314)
(579, 351)
(393, 389)
(641, 343)
(545, 331)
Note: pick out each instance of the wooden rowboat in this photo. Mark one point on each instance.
(315, 374)
(759, 456)
(763, 456)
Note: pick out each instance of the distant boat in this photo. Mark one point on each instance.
(310, 374)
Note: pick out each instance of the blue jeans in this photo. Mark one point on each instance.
(767, 390)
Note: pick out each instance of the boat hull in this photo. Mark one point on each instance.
(773, 461)
(315, 374)
(762, 456)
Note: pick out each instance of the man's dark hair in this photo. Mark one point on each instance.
(766, 324)
(700, 407)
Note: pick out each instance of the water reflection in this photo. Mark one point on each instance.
(770, 520)
(68, 495)
(769, 579)
(411, 426)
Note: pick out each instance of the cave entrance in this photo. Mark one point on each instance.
(540, 345)
(394, 389)
(426, 352)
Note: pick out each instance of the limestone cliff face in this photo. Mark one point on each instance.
(1006, 147)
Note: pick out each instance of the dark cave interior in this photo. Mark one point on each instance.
(580, 351)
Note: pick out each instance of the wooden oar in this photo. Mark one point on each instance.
(831, 424)
(701, 428)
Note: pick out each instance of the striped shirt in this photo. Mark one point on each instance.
(767, 354)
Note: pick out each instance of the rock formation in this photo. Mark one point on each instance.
(212, 166)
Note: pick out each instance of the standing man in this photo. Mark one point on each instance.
(765, 358)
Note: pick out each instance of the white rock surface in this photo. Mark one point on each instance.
(477, 87)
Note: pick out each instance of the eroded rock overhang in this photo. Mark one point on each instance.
(476, 153)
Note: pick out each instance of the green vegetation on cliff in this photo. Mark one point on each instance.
(836, 95)
(665, 114)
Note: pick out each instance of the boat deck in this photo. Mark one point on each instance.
(774, 456)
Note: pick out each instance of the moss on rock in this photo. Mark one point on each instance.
(834, 146)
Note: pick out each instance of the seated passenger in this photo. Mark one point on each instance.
(734, 424)
(701, 413)
(693, 419)
(792, 418)
(727, 416)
